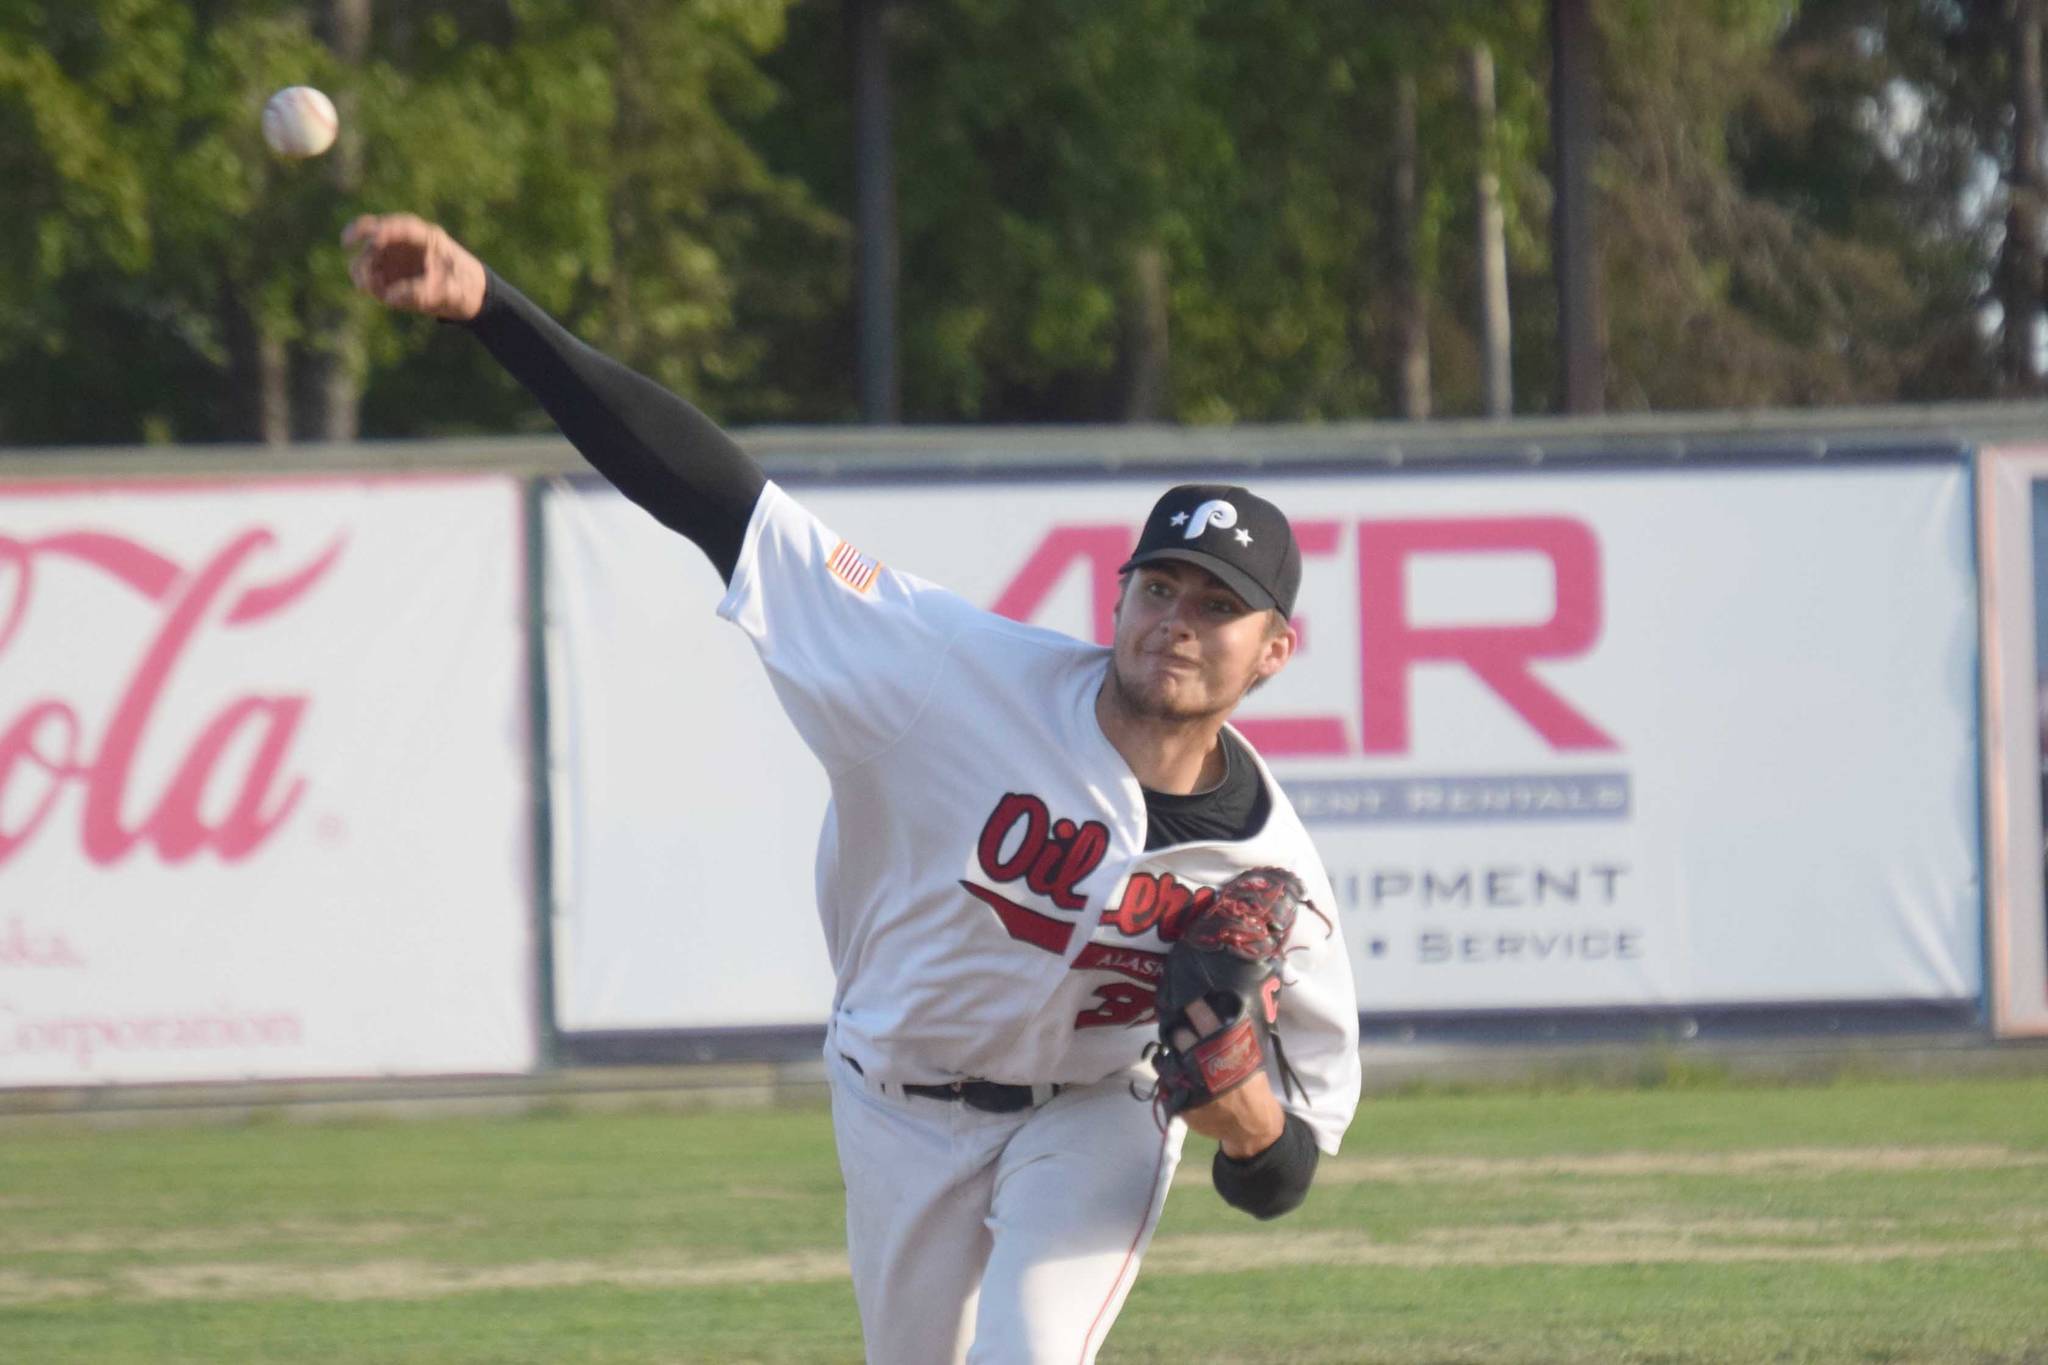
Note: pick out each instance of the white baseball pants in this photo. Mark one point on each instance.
(995, 1239)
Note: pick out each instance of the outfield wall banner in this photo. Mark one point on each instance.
(2013, 538)
(265, 806)
(1625, 738)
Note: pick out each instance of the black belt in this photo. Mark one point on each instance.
(991, 1097)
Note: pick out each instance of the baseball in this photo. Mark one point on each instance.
(299, 122)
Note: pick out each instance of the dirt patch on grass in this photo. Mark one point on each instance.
(1578, 1245)
(157, 1241)
(408, 1279)
(1638, 1239)
(1621, 1242)
(1818, 1161)
(19, 1288)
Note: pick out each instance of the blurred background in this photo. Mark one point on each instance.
(950, 211)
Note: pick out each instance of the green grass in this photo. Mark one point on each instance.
(1858, 1222)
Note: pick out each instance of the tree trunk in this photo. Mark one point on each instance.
(2020, 272)
(1411, 301)
(259, 375)
(635, 83)
(878, 268)
(1496, 359)
(1147, 335)
(332, 362)
(1574, 250)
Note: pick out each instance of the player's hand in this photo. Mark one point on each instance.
(1244, 1121)
(404, 262)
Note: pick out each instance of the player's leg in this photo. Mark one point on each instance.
(919, 1174)
(1078, 1193)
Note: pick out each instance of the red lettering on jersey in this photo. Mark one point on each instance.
(1158, 900)
(1053, 858)
(1022, 922)
(1139, 964)
(1122, 1003)
(1139, 908)
(1179, 903)
(995, 833)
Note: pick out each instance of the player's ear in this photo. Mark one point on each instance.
(1282, 639)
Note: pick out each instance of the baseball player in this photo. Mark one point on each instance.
(1069, 911)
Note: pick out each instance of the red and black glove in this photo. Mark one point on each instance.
(1220, 991)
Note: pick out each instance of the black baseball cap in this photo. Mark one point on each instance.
(1230, 531)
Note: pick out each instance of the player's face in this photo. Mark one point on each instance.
(1187, 647)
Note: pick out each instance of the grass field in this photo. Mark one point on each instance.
(1865, 1222)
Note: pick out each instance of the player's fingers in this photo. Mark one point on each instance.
(358, 228)
(403, 227)
(377, 231)
(409, 293)
(372, 271)
(369, 270)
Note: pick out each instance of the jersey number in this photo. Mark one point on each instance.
(1123, 1002)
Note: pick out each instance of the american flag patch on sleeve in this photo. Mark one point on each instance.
(853, 568)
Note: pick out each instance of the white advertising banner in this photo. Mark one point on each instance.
(1584, 739)
(2013, 532)
(264, 800)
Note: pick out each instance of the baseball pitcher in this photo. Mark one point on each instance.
(1069, 911)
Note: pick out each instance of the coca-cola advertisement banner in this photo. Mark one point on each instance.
(2013, 531)
(264, 802)
(1586, 739)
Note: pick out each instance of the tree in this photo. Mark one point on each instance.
(1157, 207)
(168, 276)
(1109, 209)
(1786, 208)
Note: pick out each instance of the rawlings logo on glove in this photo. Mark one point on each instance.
(1220, 991)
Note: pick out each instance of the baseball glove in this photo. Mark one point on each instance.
(1220, 991)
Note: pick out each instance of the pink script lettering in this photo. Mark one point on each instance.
(49, 743)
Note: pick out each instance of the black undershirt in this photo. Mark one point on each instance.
(1233, 809)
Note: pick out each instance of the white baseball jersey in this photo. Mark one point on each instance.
(989, 906)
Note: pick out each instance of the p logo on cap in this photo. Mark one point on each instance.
(1258, 560)
(1215, 512)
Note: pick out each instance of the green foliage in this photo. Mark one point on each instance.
(1041, 145)
(1797, 202)
(589, 156)
(1774, 232)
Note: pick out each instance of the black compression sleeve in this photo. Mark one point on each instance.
(655, 448)
(1276, 1180)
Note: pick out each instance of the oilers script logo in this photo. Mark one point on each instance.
(1022, 841)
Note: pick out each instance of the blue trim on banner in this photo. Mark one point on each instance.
(1973, 473)
(941, 467)
(1495, 798)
